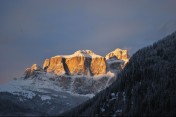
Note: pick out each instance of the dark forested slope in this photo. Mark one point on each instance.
(146, 86)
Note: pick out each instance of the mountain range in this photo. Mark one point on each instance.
(87, 84)
(63, 82)
(82, 62)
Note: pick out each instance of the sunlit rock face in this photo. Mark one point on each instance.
(76, 65)
(54, 65)
(98, 66)
(116, 60)
(35, 67)
(85, 61)
(77, 62)
(31, 71)
(82, 62)
(119, 53)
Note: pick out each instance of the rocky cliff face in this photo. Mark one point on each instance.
(31, 71)
(119, 54)
(82, 72)
(117, 59)
(83, 62)
(46, 64)
(76, 64)
(55, 65)
(98, 66)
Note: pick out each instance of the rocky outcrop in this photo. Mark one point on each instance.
(35, 67)
(46, 64)
(114, 65)
(27, 73)
(116, 60)
(31, 71)
(83, 62)
(76, 65)
(98, 66)
(55, 65)
(119, 54)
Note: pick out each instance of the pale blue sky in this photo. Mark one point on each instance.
(32, 30)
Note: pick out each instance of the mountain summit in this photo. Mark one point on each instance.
(63, 82)
(81, 62)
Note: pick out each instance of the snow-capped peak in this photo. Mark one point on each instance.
(119, 54)
(84, 53)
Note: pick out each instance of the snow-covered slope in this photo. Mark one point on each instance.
(43, 96)
(85, 53)
(42, 84)
(58, 93)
